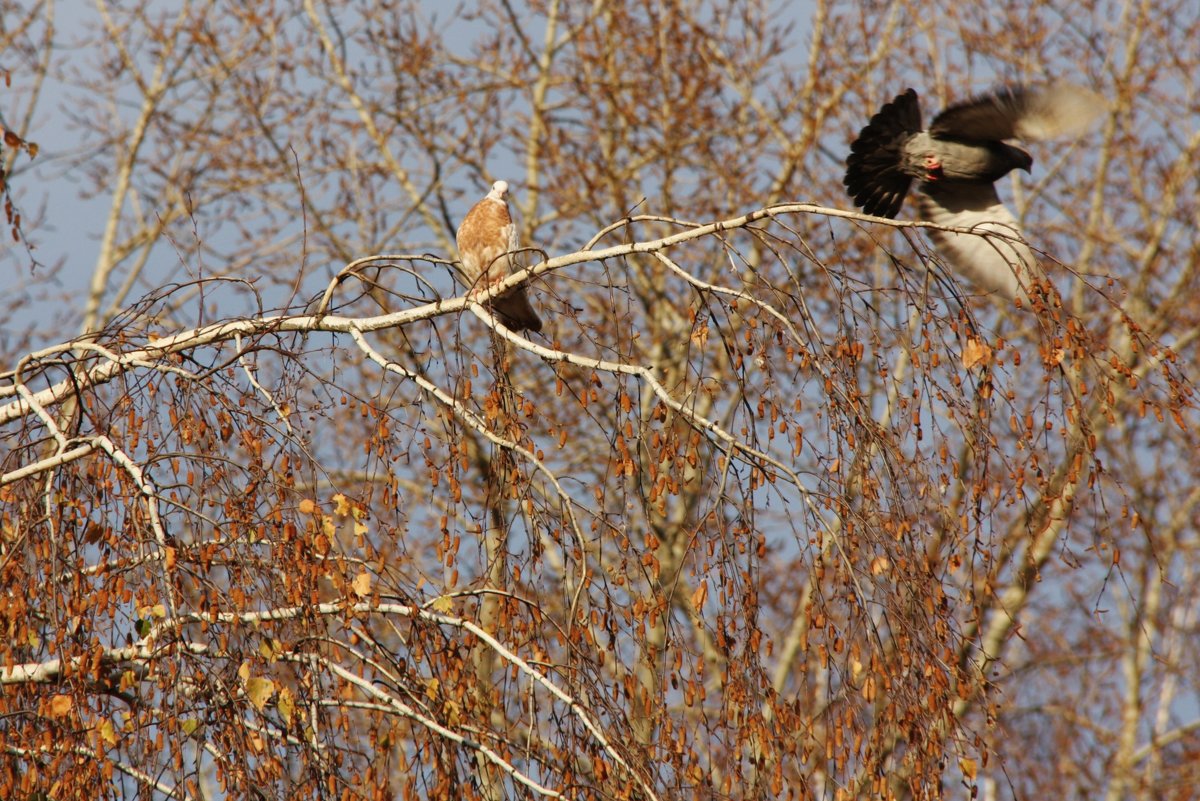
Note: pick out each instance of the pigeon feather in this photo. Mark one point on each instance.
(957, 161)
(488, 245)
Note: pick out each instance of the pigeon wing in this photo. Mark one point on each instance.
(1003, 264)
(1019, 112)
(875, 175)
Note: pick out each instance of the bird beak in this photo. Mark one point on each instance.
(1024, 160)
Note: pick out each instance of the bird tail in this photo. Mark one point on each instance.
(515, 311)
(874, 174)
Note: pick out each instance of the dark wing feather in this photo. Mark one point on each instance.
(874, 177)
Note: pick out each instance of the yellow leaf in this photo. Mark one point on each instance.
(968, 768)
(361, 584)
(360, 529)
(158, 610)
(431, 688)
(341, 505)
(107, 735)
(976, 352)
(244, 671)
(286, 705)
(443, 604)
(307, 507)
(189, 726)
(880, 564)
(259, 691)
(60, 705)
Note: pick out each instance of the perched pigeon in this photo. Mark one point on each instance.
(957, 161)
(487, 245)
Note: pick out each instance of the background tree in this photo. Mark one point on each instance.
(775, 508)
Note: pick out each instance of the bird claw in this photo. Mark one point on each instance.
(480, 288)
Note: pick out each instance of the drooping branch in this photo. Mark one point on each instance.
(155, 352)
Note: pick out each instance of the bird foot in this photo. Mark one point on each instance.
(933, 168)
(480, 288)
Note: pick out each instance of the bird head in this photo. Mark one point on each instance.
(499, 190)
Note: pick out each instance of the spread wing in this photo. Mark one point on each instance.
(875, 174)
(1004, 264)
(1018, 112)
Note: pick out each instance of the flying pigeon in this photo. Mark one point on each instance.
(487, 245)
(957, 160)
